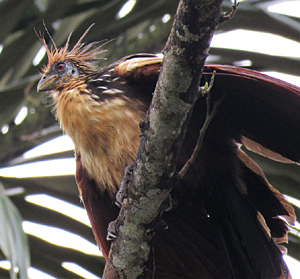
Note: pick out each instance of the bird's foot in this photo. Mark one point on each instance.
(122, 195)
(167, 205)
(158, 223)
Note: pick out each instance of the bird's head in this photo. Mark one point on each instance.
(68, 68)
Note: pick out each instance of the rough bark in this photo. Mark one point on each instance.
(154, 174)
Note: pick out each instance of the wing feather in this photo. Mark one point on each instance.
(268, 110)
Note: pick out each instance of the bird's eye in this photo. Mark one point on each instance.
(60, 66)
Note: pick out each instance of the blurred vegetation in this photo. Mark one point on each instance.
(144, 29)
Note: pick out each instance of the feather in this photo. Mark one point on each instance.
(268, 109)
(100, 209)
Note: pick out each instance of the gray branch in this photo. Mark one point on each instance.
(163, 131)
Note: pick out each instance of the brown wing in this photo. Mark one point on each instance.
(267, 108)
(266, 111)
(139, 66)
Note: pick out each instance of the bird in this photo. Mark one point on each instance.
(227, 221)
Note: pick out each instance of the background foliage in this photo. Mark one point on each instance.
(142, 30)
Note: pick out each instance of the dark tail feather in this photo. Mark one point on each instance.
(250, 251)
(255, 226)
(246, 214)
(275, 209)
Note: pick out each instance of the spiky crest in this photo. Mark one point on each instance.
(81, 55)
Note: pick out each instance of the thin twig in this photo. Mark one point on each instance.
(225, 17)
(205, 91)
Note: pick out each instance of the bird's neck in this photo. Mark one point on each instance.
(106, 134)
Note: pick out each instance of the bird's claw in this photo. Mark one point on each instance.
(156, 225)
(122, 195)
(168, 204)
(111, 231)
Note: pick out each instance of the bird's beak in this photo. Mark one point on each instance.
(46, 83)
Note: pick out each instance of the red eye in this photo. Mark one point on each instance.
(60, 66)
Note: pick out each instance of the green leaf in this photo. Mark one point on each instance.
(13, 240)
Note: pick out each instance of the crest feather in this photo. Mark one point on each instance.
(80, 55)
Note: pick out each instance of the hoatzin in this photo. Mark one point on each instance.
(227, 219)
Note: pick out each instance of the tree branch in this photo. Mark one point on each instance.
(163, 132)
